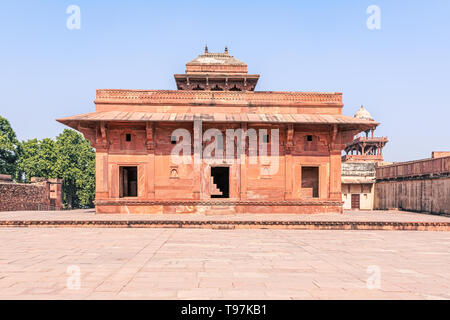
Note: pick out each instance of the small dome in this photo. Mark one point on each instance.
(363, 114)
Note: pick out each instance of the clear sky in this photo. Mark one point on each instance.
(401, 72)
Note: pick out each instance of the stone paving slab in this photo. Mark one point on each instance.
(350, 215)
(350, 220)
(42, 263)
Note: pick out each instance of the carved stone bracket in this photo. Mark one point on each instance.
(89, 133)
(290, 138)
(101, 139)
(150, 142)
(334, 145)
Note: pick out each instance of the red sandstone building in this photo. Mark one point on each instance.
(133, 134)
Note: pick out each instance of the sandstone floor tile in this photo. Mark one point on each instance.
(233, 264)
(199, 293)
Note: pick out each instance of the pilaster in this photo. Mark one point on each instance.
(288, 170)
(243, 161)
(198, 135)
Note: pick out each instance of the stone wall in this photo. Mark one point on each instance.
(426, 195)
(21, 197)
(358, 169)
(440, 154)
(421, 186)
(40, 195)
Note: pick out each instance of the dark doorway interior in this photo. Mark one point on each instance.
(128, 182)
(221, 178)
(310, 181)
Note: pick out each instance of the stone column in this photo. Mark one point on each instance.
(150, 167)
(288, 170)
(243, 160)
(101, 176)
(335, 175)
(198, 135)
(150, 174)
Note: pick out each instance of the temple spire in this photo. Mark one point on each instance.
(206, 49)
(226, 49)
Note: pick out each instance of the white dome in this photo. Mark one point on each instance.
(363, 114)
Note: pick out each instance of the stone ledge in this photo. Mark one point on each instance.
(218, 203)
(233, 224)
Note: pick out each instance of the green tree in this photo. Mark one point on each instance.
(36, 158)
(70, 157)
(8, 148)
(75, 163)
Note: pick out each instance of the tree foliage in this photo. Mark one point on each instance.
(36, 158)
(8, 148)
(70, 157)
(75, 163)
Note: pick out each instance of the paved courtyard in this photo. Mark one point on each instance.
(348, 215)
(103, 263)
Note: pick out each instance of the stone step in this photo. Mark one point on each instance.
(220, 209)
(213, 189)
(232, 223)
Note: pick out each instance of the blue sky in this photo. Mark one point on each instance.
(400, 73)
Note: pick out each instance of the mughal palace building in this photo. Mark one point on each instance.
(133, 134)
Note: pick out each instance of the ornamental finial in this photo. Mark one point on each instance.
(206, 49)
(226, 49)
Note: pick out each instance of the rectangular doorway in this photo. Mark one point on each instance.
(355, 201)
(310, 182)
(128, 182)
(220, 182)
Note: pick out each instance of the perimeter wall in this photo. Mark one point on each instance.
(41, 194)
(421, 186)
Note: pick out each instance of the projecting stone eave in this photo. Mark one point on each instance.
(350, 123)
(216, 75)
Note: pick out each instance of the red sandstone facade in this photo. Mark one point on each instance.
(132, 131)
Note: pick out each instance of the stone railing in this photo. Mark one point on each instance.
(213, 97)
(369, 139)
(359, 157)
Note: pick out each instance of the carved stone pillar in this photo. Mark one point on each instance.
(102, 179)
(335, 175)
(198, 135)
(101, 176)
(337, 143)
(243, 160)
(150, 167)
(288, 169)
